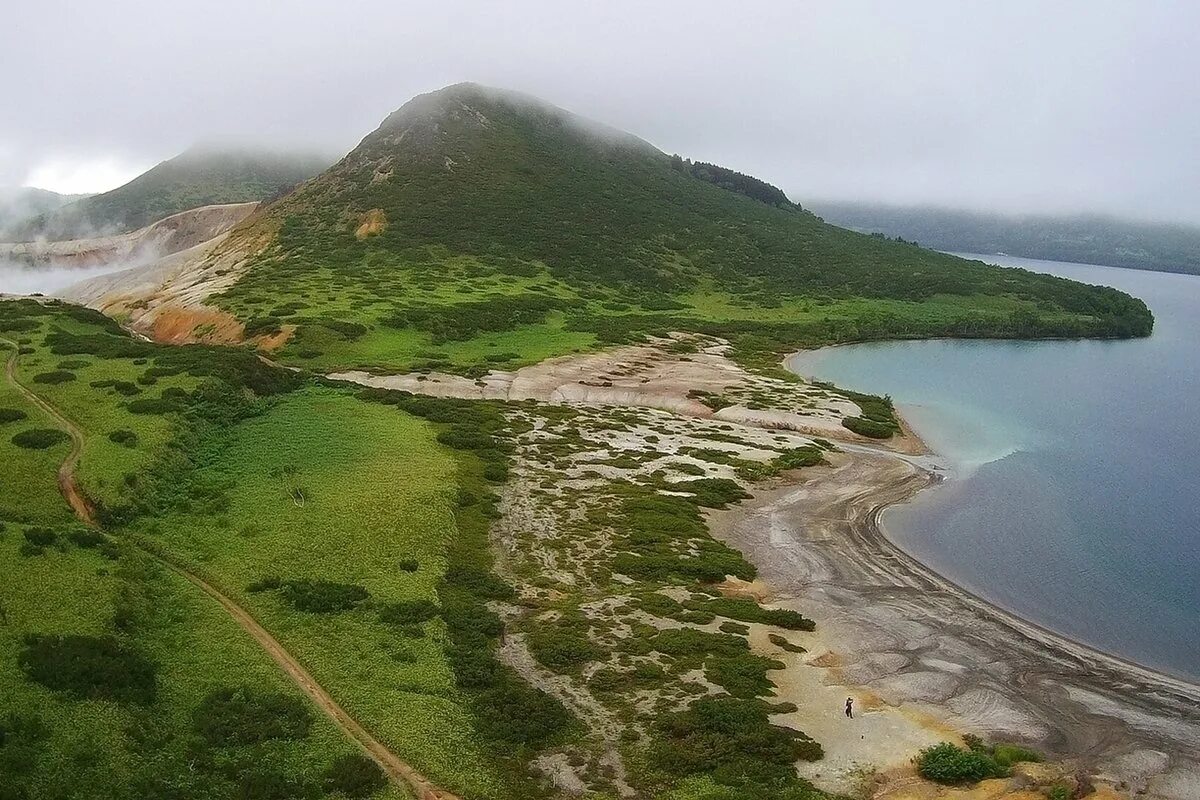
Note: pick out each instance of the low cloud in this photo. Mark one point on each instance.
(1071, 106)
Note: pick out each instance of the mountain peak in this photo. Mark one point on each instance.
(464, 107)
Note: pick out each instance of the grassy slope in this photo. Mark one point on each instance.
(100, 747)
(489, 197)
(377, 489)
(198, 177)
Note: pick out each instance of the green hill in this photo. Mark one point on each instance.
(476, 222)
(20, 204)
(199, 177)
(1084, 239)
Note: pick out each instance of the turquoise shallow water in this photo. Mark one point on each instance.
(1075, 500)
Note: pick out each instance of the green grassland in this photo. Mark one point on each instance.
(528, 235)
(57, 579)
(336, 522)
(325, 487)
(103, 409)
(30, 493)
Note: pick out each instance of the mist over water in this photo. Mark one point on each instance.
(1076, 467)
(21, 279)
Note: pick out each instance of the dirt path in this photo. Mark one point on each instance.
(66, 470)
(397, 770)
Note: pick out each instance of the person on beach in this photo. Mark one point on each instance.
(850, 707)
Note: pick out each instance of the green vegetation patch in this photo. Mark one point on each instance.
(40, 438)
(732, 741)
(322, 597)
(244, 715)
(89, 668)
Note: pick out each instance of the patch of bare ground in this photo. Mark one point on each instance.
(697, 379)
(373, 223)
(170, 235)
(164, 299)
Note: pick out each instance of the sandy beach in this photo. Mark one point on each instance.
(913, 646)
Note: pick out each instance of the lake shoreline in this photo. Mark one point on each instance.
(922, 644)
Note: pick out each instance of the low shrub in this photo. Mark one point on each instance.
(40, 438)
(88, 668)
(1008, 754)
(712, 492)
(562, 648)
(950, 764)
(783, 644)
(408, 564)
(124, 437)
(54, 377)
(323, 597)
(355, 776)
(408, 612)
(266, 783)
(153, 405)
(746, 610)
(241, 715)
(86, 538)
(733, 741)
(11, 415)
(743, 675)
(40, 537)
(868, 427)
(263, 326)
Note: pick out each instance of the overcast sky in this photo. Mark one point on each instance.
(1064, 106)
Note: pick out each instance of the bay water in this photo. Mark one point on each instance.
(1074, 491)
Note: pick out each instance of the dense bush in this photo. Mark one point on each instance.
(40, 438)
(22, 738)
(512, 713)
(40, 537)
(323, 597)
(562, 648)
(408, 612)
(355, 776)
(54, 376)
(262, 326)
(244, 715)
(950, 764)
(267, 783)
(11, 415)
(746, 610)
(743, 675)
(124, 437)
(462, 321)
(712, 492)
(154, 405)
(731, 740)
(86, 538)
(88, 668)
(664, 538)
(868, 427)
